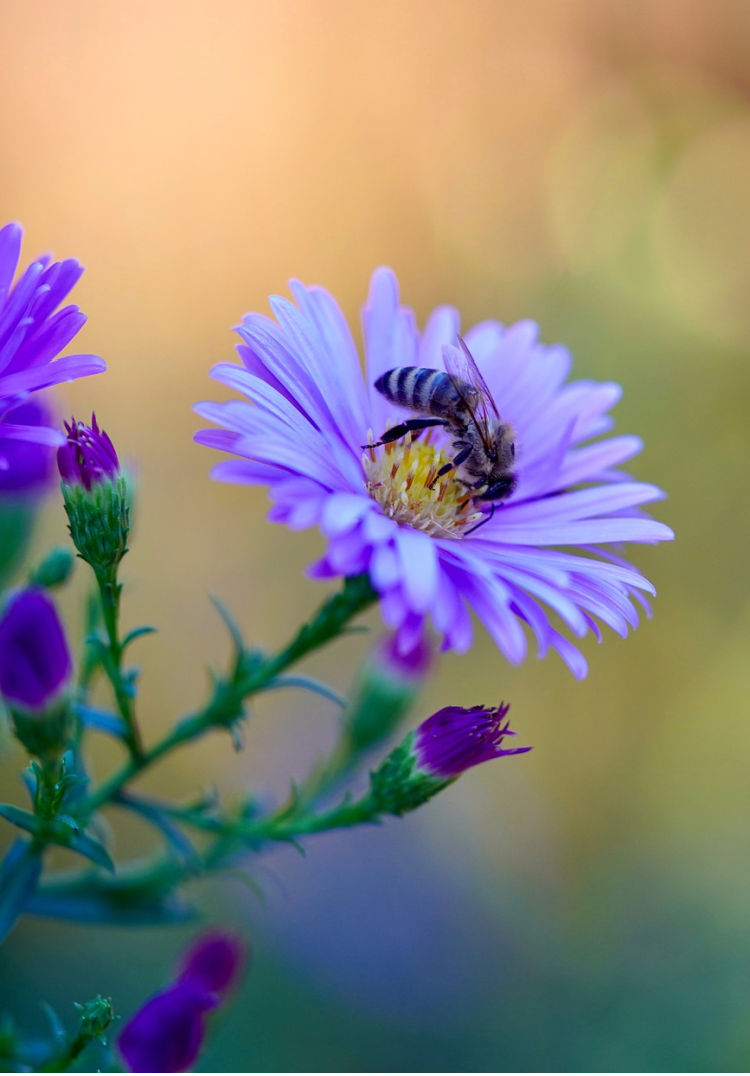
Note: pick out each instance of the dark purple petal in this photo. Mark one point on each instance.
(88, 456)
(214, 962)
(167, 1033)
(455, 738)
(34, 659)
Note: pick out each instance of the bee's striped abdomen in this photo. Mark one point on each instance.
(420, 389)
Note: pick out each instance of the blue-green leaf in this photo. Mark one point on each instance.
(155, 813)
(23, 819)
(61, 830)
(90, 848)
(102, 720)
(308, 684)
(58, 1029)
(136, 633)
(19, 874)
(89, 903)
(231, 623)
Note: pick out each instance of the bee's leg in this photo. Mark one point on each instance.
(456, 462)
(410, 426)
(481, 522)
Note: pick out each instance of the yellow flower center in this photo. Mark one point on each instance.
(402, 478)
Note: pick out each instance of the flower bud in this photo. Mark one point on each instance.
(167, 1033)
(386, 688)
(96, 497)
(54, 570)
(453, 740)
(35, 669)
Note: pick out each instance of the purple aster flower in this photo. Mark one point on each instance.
(544, 554)
(35, 663)
(454, 739)
(32, 333)
(88, 456)
(167, 1033)
(29, 465)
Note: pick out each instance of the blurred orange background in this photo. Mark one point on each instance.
(585, 163)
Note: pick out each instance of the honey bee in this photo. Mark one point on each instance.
(459, 400)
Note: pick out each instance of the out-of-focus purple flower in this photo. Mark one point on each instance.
(384, 512)
(455, 739)
(35, 663)
(88, 455)
(409, 665)
(33, 332)
(29, 465)
(167, 1033)
(214, 962)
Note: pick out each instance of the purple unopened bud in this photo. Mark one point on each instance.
(35, 662)
(214, 962)
(429, 759)
(455, 739)
(88, 456)
(96, 497)
(167, 1033)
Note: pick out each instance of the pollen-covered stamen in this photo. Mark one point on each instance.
(401, 477)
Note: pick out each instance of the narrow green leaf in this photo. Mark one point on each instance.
(58, 1029)
(231, 623)
(101, 720)
(89, 902)
(19, 874)
(155, 813)
(136, 633)
(308, 684)
(23, 819)
(90, 848)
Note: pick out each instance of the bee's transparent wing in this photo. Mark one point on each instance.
(461, 367)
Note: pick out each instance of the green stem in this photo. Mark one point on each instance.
(226, 703)
(230, 836)
(109, 590)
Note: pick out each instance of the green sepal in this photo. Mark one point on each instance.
(99, 521)
(44, 733)
(398, 786)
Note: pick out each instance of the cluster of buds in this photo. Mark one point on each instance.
(437, 752)
(96, 496)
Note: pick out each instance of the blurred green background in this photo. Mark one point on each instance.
(585, 163)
